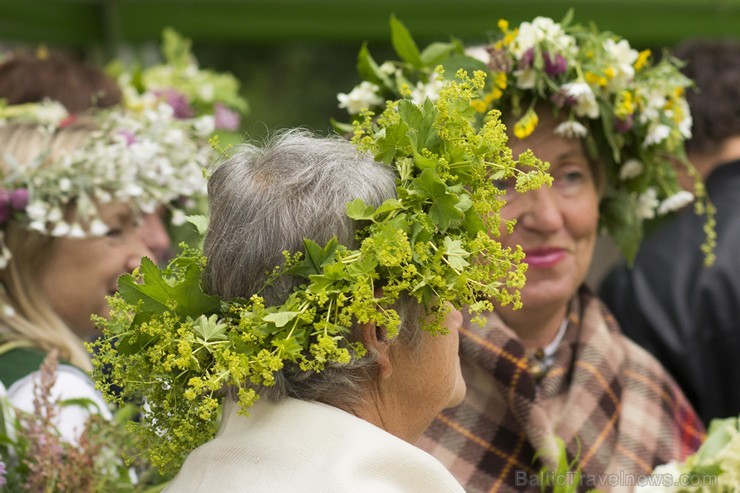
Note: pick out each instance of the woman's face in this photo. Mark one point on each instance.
(80, 273)
(556, 226)
(429, 379)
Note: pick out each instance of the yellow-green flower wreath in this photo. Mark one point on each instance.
(176, 348)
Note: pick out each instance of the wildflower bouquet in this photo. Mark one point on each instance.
(714, 468)
(189, 90)
(34, 457)
(177, 348)
(630, 112)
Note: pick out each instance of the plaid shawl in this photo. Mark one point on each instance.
(612, 403)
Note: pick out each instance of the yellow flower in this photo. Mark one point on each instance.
(500, 81)
(609, 72)
(479, 105)
(595, 79)
(526, 125)
(678, 92)
(624, 105)
(503, 24)
(642, 59)
(510, 37)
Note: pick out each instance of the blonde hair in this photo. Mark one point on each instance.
(35, 323)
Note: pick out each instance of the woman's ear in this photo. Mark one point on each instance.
(375, 339)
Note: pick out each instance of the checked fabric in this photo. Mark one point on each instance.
(612, 403)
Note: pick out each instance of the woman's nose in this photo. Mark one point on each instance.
(541, 211)
(153, 234)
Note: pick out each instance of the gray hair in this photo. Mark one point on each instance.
(265, 200)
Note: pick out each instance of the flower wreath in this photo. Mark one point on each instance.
(177, 348)
(631, 113)
(146, 158)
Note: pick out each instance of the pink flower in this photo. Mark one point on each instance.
(226, 118)
(555, 65)
(128, 136)
(177, 101)
(19, 199)
(625, 125)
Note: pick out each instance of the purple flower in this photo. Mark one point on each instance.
(178, 101)
(128, 136)
(625, 125)
(226, 118)
(561, 98)
(527, 59)
(19, 199)
(555, 65)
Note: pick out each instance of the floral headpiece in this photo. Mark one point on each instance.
(631, 113)
(190, 91)
(145, 158)
(176, 348)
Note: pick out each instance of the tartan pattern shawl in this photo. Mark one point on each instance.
(611, 402)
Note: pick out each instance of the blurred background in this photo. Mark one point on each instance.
(293, 56)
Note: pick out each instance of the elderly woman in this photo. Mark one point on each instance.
(73, 193)
(325, 311)
(559, 368)
(348, 428)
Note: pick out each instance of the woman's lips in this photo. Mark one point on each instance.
(543, 258)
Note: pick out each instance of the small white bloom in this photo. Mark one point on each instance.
(525, 79)
(675, 202)
(479, 53)
(647, 203)
(429, 91)
(387, 68)
(76, 231)
(205, 125)
(8, 311)
(541, 29)
(624, 57)
(38, 226)
(631, 168)
(54, 215)
(361, 97)
(571, 129)
(586, 104)
(178, 217)
(65, 184)
(61, 229)
(206, 92)
(656, 135)
(50, 112)
(98, 228)
(36, 211)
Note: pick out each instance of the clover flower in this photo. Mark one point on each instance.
(631, 168)
(675, 202)
(647, 202)
(571, 129)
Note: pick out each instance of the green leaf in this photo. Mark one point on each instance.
(157, 294)
(436, 52)
(617, 212)
(456, 62)
(341, 128)
(358, 211)
(455, 253)
(175, 48)
(315, 258)
(209, 329)
(444, 211)
(369, 70)
(199, 221)
(404, 44)
(387, 146)
(420, 122)
(280, 319)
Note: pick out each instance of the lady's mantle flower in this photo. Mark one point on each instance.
(571, 129)
(675, 202)
(361, 97)
(632, 168)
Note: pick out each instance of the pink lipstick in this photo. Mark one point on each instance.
(543, 258)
